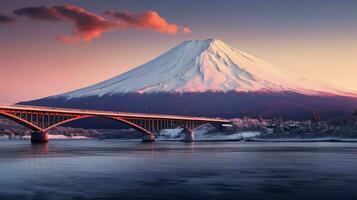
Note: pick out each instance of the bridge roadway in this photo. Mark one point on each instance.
(41, 119)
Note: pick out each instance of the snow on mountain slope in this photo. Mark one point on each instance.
(205, 66)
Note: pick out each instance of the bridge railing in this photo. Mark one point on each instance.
(102, 112)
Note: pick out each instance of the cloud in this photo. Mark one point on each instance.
(39, 13)
(149, 20)
(6, 19)
(88, 26)
(68, 39)
(186, 30)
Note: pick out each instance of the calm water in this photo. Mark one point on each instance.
(92, 169)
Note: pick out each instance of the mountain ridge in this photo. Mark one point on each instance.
(205, 66)
(209, 78)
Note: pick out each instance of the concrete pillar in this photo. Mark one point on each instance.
(39, 137)
(149, 138)
(189, 136)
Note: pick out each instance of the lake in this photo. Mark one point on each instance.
(113, 169)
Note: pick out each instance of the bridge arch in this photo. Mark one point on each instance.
(192, 128)
(34, 127)
(21, 121)
(126, 122)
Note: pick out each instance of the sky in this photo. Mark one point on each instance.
(52, 47)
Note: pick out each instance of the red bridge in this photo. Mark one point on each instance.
(41, 119)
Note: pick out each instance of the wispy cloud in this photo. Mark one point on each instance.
(6, 19)
(150, 20)
(88, 25)
(39, 13)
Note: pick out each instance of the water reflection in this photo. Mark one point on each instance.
(175, 170)
(190, 146)
(40, 148)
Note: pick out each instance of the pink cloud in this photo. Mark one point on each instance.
(150, 20)
(186, 30)
(88, 26)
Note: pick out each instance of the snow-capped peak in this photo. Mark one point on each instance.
(204, 66)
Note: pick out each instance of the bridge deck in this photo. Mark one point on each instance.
(110, 113)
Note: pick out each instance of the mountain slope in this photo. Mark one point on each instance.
(204, 66)
(209, 78)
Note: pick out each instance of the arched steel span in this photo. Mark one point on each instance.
(135, 126)
(42, 119)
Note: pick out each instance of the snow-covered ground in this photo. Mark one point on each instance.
(204, 134)
(202, 66)
(4, 137)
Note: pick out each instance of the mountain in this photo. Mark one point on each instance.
(204, 66)
(210, 78)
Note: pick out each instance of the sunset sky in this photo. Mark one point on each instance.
(51, 47)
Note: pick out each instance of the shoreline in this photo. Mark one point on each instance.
(274, 140)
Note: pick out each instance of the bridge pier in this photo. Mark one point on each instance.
(148, 138)
(39, 137)
(189, 135)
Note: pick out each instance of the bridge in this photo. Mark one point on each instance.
(41, 119)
